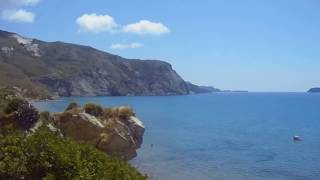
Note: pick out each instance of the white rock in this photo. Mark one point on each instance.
(34, 48)
(52, 128)
(22, 40)
(136, 121)
(7, 50)
(28, 44)
(36, 126)
(91, 119)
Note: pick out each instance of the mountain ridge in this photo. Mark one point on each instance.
(67, 69)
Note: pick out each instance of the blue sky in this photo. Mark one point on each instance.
(256, 45)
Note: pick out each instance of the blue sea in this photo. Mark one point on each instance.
(225, 136)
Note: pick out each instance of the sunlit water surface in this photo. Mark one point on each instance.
(223, 135)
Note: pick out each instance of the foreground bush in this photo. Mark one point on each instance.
(45, 155)
(6, 94)
(25, 115)
(72, 105)
(125, 112)
(14, 104)
(93, 109)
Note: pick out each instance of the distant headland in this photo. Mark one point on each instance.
(63, 69)
(314, 90)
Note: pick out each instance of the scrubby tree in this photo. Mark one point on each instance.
(125, 112)
(93, 109)
(72, 105)
(14, 105)
(25, 115)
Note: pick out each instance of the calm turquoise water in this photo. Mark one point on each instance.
(224, 135)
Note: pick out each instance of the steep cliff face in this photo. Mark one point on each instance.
(73, 70)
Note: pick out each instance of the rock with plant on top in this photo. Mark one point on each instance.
(116, 131)
(69, 145)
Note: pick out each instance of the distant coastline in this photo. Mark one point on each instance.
(314, 90)
(235, 91)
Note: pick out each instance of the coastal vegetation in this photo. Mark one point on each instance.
(46, 155)
(22, 112)
(93, 109)
(30, 148)
(72, 105)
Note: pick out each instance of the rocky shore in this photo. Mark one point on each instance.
(101, 138)
(115, 131)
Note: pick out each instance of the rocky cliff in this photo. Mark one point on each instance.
(74, 70)
(87, 142)
(116, 131)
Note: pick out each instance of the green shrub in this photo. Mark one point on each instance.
(14, 105)
(25, 114)
(45, 155)
(109, 113)
(125, 112)
(93, 109)
(5, 96)
(72, 105)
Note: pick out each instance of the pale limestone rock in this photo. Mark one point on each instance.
(28, 44)
(7, 50)
(91, 119)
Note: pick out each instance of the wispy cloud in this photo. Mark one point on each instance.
(96, 23)
(126, 46)
(19, 15)
(146, 27)
(12, 10)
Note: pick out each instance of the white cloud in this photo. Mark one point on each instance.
(146, 27)
(105, 23)
(20, 15)
(11, 10)
(126, 46)
(96, 23)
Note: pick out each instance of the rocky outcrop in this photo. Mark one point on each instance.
(116, 131)
(65, 69)
(111, 132)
